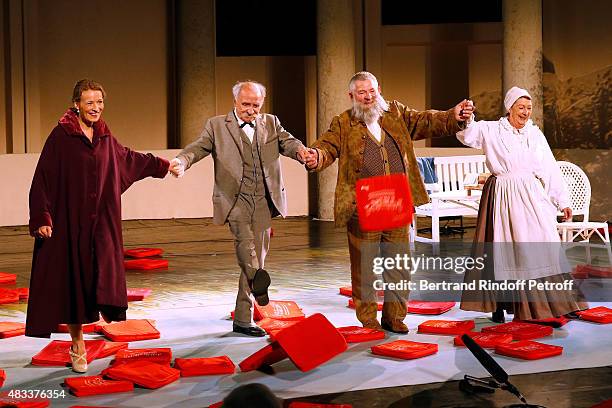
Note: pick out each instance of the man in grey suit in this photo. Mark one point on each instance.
(245, 146)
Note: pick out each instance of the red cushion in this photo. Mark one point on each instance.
(274, 326)
(429, 308)
(600, 314)
(299, 404)
(161, 355)
(555, 322)
(87, 328)
(346, 291)
(356, 334)
(131, 330)
(270, 354)
(11, 329)
(56, 352)
(145, 264)
(24, 293)
(486, 340)
(379, 305)
(204, 366)
(7, 278)
(591, 271)
(2, 377)
(216, 405)
(135, 294)
(405, 349)
(580, 272)
(143, 252)
(528, 350)
(111, 347)
(452, 327)
(96, 385)
(604, 404)
(278, 309)
(8, 296)
(520, 330)
(311, 342)
(147, 374)
(6, 401)
(384, 202)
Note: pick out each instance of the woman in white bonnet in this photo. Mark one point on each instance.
(519, 205)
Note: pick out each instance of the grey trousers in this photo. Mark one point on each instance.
(250, 222)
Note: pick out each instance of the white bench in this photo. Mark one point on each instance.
(449, 197)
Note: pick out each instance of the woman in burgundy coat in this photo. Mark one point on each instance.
(75, 216)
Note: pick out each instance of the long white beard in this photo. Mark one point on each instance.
(370, 114)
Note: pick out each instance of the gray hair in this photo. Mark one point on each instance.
(361, 76)
(238, 87)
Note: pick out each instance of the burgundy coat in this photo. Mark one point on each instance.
(77, 190)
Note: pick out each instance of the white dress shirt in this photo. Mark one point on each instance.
(375, 130)
(248, 130)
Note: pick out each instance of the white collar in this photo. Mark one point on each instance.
(240, 121)
(505, 123)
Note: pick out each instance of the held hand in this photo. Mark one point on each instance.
(464, 110)
(567, 214)
(312, 160)
(302, 155)
(44, 232)
(176, 168)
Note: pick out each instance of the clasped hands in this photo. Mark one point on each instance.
(464, 110)
(309, 157)
(177, 168)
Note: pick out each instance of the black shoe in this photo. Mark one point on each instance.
(498, 316)
(259, 287)
(253, 331)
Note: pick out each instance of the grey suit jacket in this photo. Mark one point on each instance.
(221, 139)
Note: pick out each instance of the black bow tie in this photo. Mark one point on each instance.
(247, 123)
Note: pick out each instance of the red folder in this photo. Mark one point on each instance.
(96, 385)
(351, 304)
(600, 314)
(451, 327)
(270, 354)
(520, 330)
(131, 330)
(429, 308)
(6, 401)
(56, 352)
(348, 291)
(405, 349)
(278, 309)
(384, 202)
(356, 334)
(11, 329)
(7, 278)
(311, 342)
(161, 355)
(204, 366)
(147, 374)
(142, 252)
(24, 293)
(8, 296)
(274, 326)
(486, 340)
(2, 377)
(111, 347)
(136, 294)
(528, 350)
(145, 264)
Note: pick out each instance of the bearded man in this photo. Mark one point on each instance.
(374, 138)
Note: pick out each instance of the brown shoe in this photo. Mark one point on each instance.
(395, 326)
(372, 324)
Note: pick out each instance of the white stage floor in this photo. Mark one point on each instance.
(200, 328)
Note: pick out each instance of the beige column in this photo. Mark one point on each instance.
(522, 51)
(195, 67)
(335, 66)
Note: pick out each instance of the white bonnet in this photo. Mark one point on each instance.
(513, 95)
